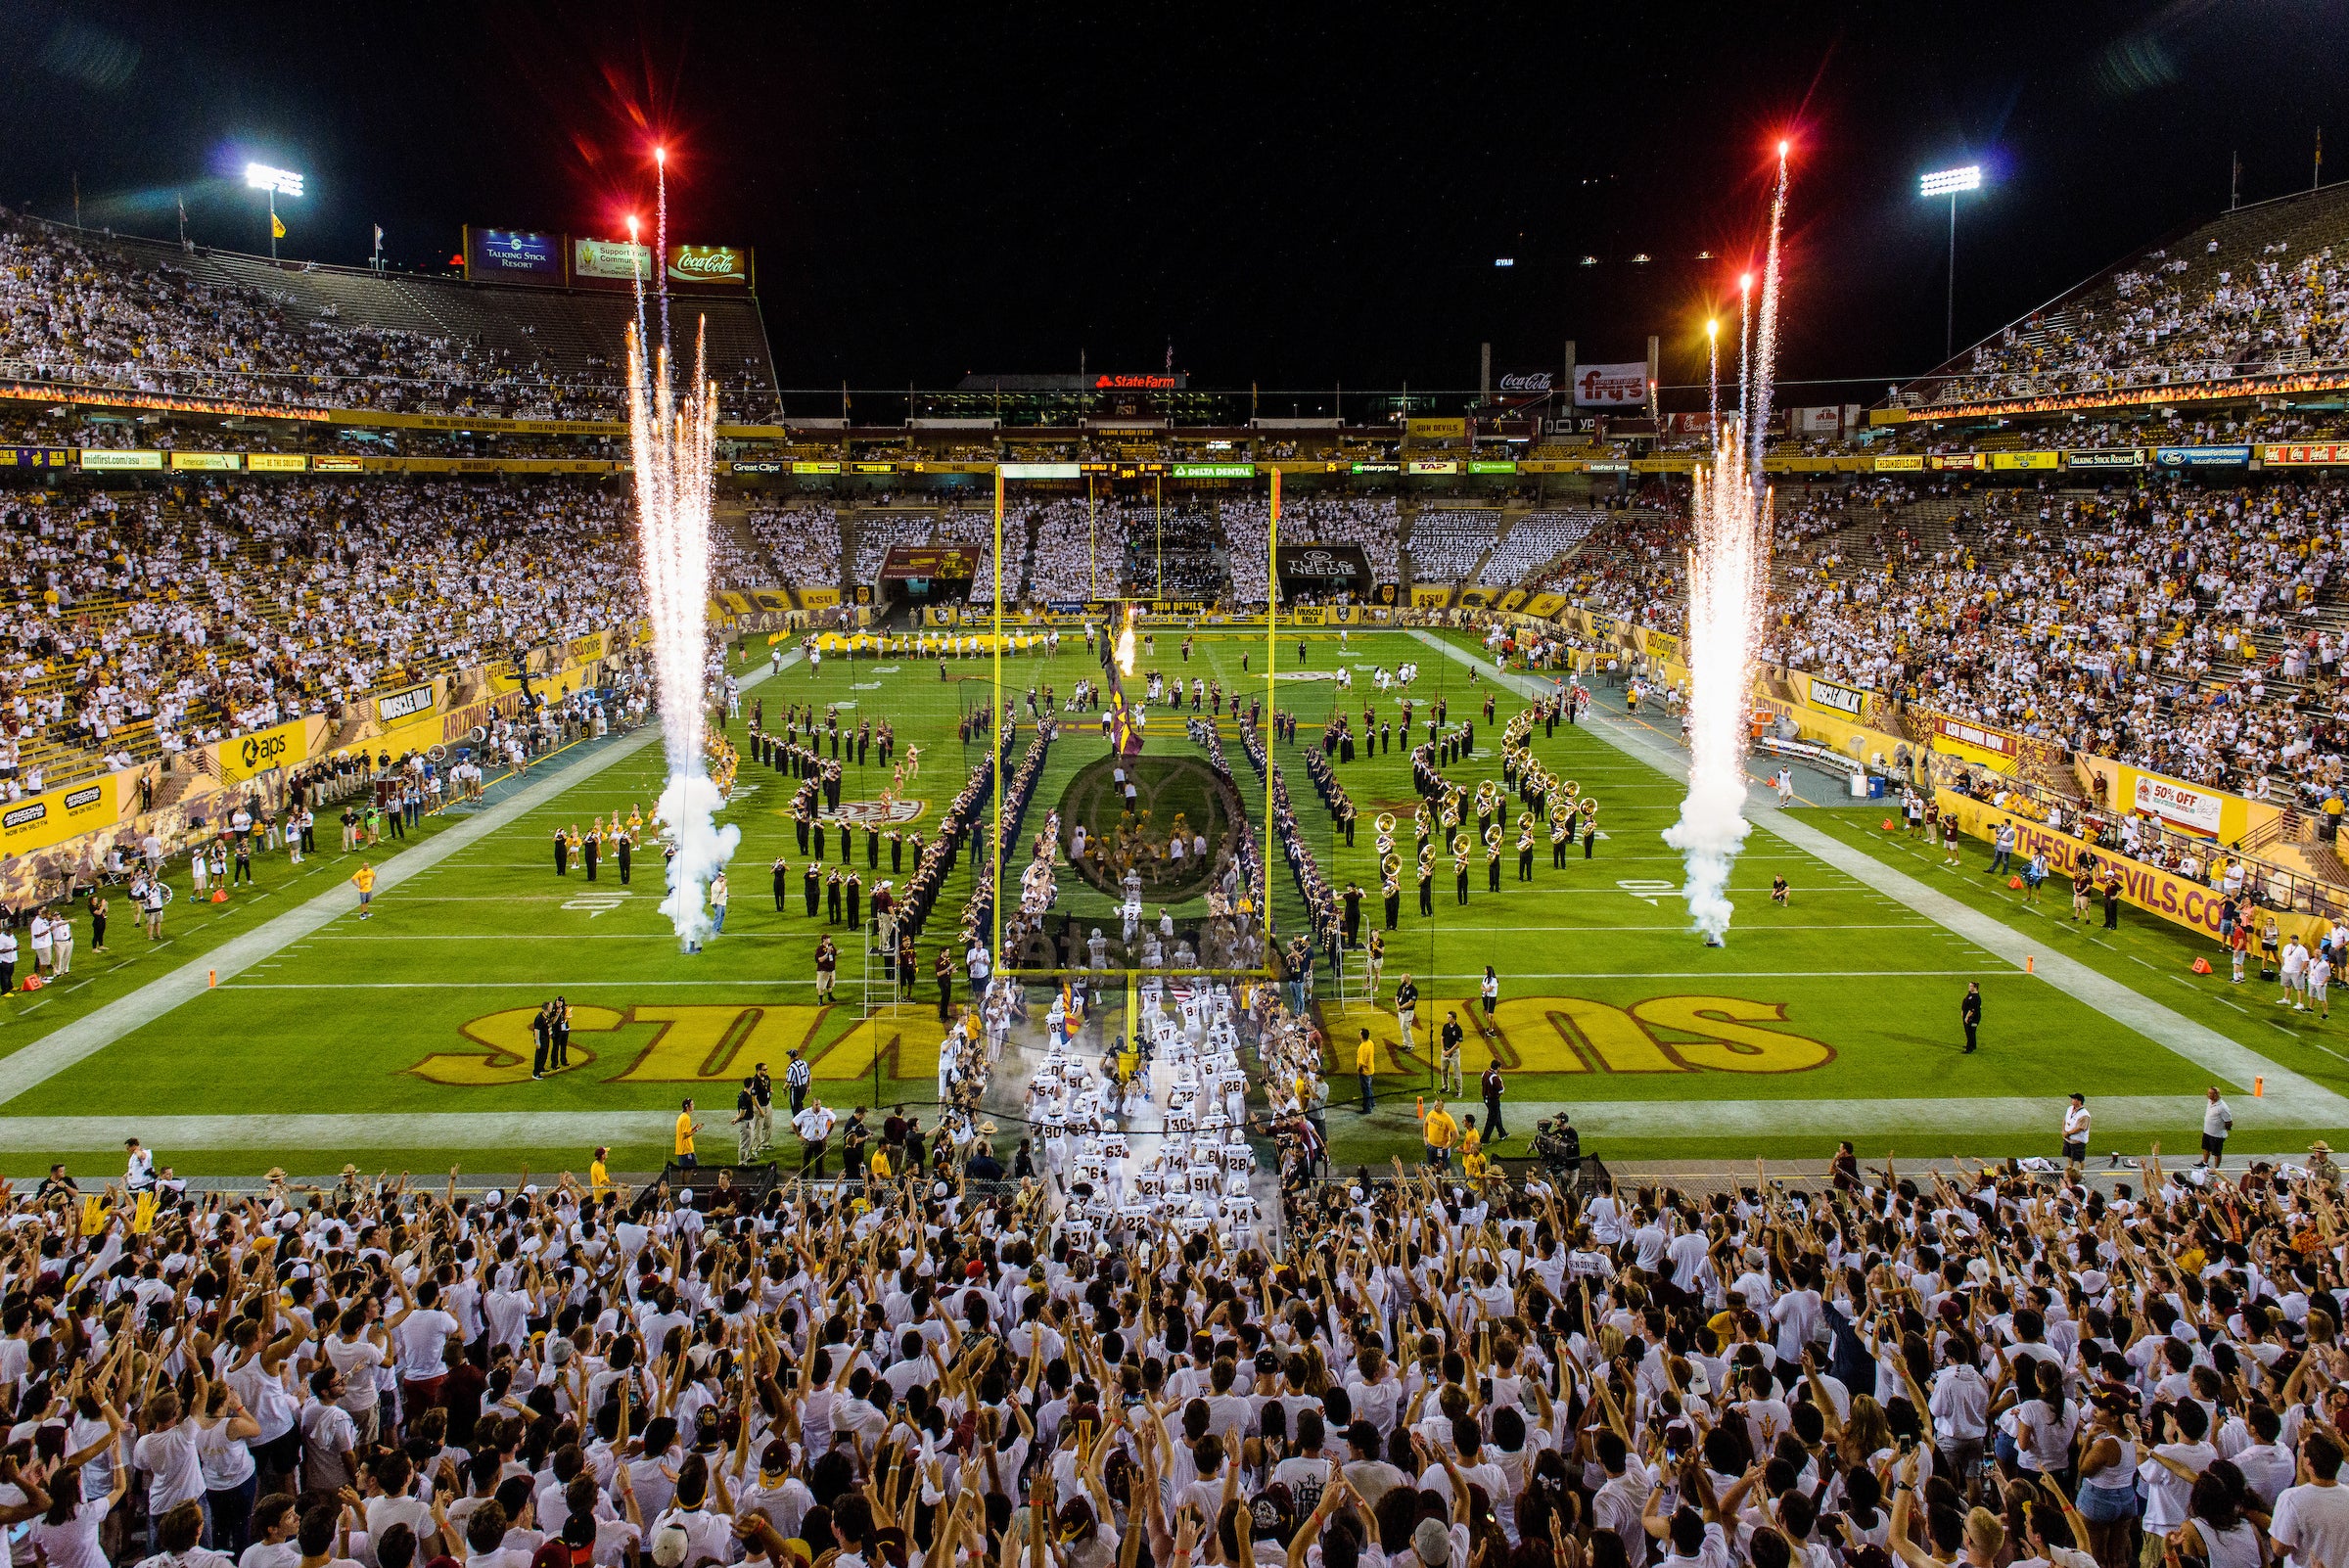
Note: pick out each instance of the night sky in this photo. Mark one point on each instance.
(1292, 196)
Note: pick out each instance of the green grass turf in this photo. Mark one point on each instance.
(1842, 995)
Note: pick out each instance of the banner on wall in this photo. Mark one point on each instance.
(280, 746)
(55, 816)
(2106, 457)
(36, 457)
(819, 598)
(2202, 456)
(1660, 645)
(1976, 742)
(1430, 598)
(1833, 696)
(2012, 460)
(120, 460)
(1901, 463)
(955, 562)
(404, 704)
(2179, 806)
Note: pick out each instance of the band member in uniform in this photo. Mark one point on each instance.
(623, 843)
(1561, 834)
(1493, 858)
(1459, 867)
(782, 869)
(1524, 847)
(1427, 879)
(1390, 886)
(561, 855)
(1376, 962)
(591, 847)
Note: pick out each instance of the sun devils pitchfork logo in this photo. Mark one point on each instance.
(876, 814)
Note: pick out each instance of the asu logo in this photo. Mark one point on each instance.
(708, 1043)
(876, 814)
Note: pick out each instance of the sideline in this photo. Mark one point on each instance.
(45, 1058)
(2291, 1100)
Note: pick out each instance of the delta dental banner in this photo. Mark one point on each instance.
(1623, 385)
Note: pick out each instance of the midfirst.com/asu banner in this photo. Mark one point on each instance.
(57, 814)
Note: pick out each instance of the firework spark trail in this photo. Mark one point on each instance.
(1765, 330)
(673, 441)
(1728, 570)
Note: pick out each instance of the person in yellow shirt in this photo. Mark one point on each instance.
(599, 1175)
(687, 1127)
(877, 1167)
(1472, 1142)
(1440, 1132)
(364, 880)
(1365, 1066)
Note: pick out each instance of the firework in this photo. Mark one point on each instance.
(1728, 570)
(673, 438)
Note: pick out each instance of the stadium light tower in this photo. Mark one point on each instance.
(277, 182)
(1952, 183)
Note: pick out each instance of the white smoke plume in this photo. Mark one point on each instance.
(1728, 573)
(674, 441)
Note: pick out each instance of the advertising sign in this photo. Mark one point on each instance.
(276, 463)
(57, 816)
(1434, 465)
(1435, 430)
(2106, 457)
(1526, 381)
(404, 704)
(610, 262)
(820, 465)
(36, 457)
(724, 266)
(1835, 697)
(206, 462)
(1621, 385)
(279, 746)
(334, 463)
(2005, 460)
(513, 256)
(1901, 463)
(1214, 471)
(1042, 471)
(1965, 736)
(2179, 806)
(2203, 456)
(101, 460)
(1490, 465)
(956, 562)
(2304, 455)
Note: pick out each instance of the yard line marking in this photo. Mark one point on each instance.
(2134, 959)
(1465, 973)
(2288, 1091)
(2224, 1002)
(93, 1032)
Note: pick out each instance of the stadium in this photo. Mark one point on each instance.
(1583, 965)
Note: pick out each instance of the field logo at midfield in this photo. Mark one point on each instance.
(875, 813)
(1575, 1035)
(701, 1043)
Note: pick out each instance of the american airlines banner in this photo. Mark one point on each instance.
(1611, 385)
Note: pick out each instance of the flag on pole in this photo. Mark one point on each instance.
(277, 227)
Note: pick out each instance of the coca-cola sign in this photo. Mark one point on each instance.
(709, 264)
(1526, 381)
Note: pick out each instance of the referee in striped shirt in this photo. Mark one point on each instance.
(794, 1078)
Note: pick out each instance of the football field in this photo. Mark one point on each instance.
(404, 1041)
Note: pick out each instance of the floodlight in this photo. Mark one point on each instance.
(276, 181)
(1950, 181)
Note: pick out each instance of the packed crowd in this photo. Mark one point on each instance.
(1989, 1369)
(76, 307)
(2220, 308)
(801, 540)
(214, 609)
(1373, 523)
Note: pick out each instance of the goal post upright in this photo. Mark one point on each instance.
(1271, 657)
(994, 744)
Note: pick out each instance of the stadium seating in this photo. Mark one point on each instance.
(2248, 292)
(79, 306)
